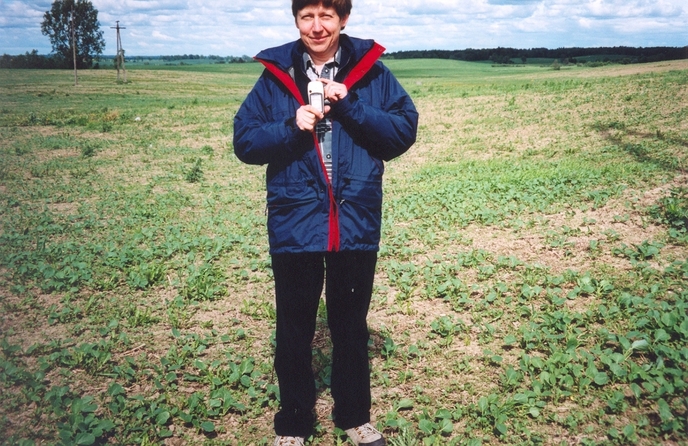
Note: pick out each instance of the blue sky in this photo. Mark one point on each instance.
(243, 27)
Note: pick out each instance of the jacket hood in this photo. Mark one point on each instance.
(284, 56)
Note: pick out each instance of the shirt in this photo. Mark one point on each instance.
(324, 128)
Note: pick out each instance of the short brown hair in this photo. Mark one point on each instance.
(343, 7)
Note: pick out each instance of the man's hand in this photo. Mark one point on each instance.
(334, 91)
(307, 117)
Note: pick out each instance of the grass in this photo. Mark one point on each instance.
(531, 285)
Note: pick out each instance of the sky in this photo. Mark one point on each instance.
(244, 27)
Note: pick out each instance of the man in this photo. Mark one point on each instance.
(324, 194)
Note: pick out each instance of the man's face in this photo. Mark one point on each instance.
(320, 28)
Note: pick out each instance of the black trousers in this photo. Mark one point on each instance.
(348, 278)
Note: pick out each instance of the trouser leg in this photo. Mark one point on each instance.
(349, 286)
(298, 286)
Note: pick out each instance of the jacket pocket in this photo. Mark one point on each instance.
(297, 226)
(360, 213)
(367, 193)
(296, 219)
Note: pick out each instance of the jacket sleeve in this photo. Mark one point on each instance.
(264, 129)
(385, 131)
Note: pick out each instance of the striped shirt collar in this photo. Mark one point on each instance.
(309, 66)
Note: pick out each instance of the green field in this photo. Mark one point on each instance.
(531, 288)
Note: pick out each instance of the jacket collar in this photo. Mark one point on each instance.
(290, 54)
(275, 62)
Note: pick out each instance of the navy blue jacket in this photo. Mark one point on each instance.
(376, 122)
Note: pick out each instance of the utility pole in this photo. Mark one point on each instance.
(119, 59)
(74, 47)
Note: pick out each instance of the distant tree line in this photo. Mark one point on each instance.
(33, 60)
(188, 57)
(507, 55)
(216, 59)
(498, 55)
(55, 61)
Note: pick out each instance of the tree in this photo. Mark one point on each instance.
(57, 25)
